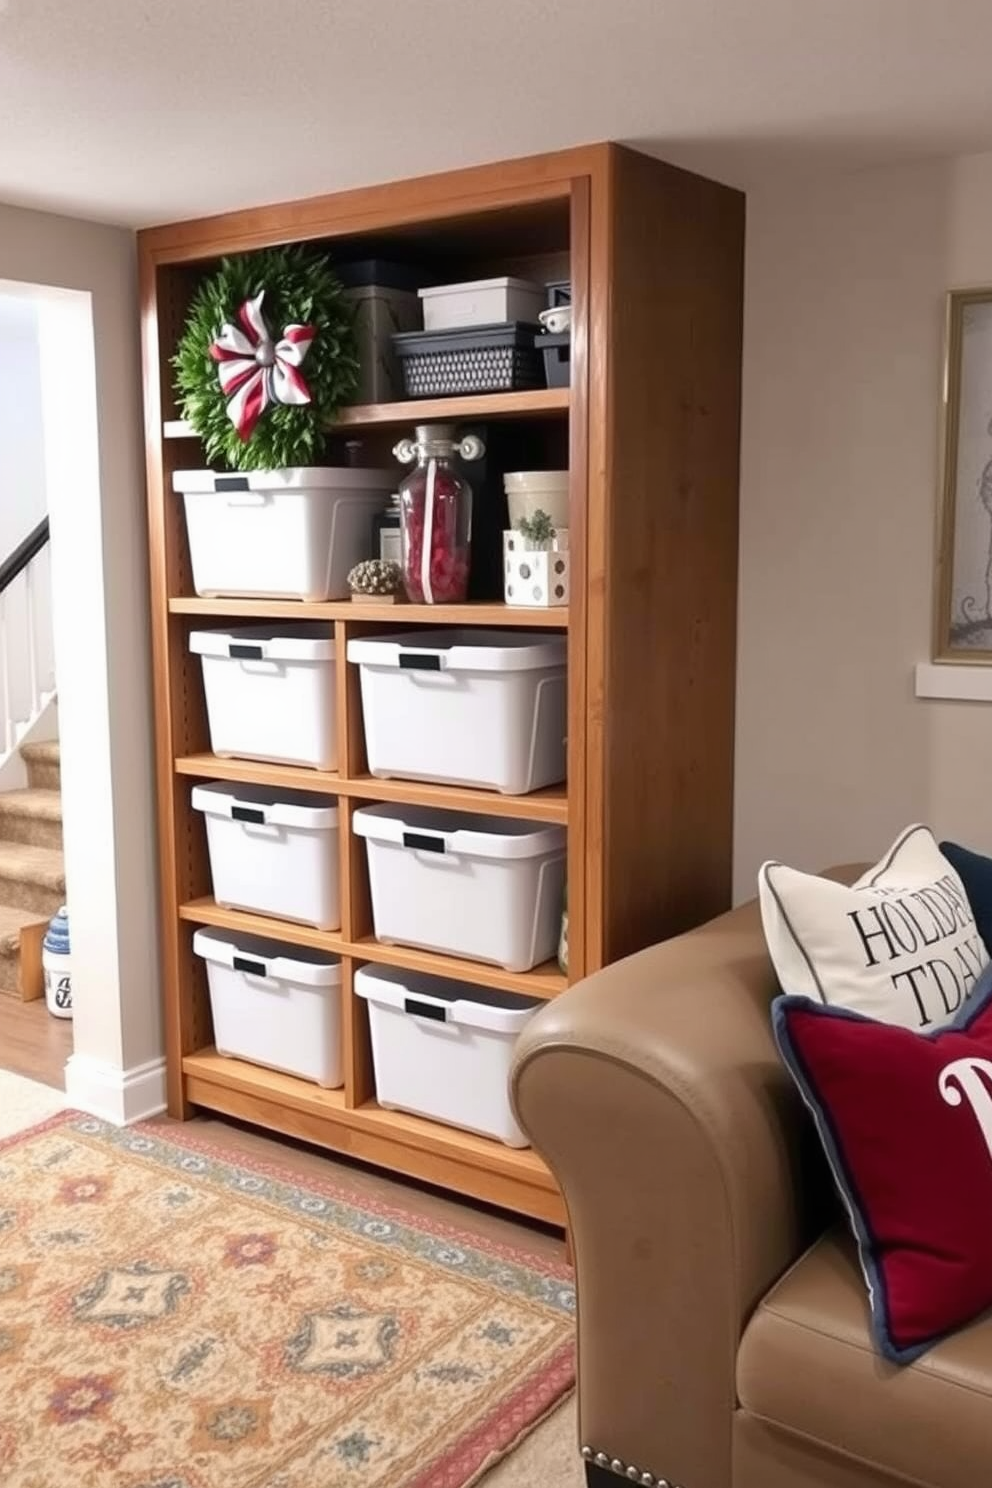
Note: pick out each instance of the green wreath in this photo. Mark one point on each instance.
(300, 289)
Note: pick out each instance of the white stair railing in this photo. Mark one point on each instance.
(27, 667)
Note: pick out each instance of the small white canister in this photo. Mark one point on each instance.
(57, 965)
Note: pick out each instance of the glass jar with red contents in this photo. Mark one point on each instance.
(436, 514)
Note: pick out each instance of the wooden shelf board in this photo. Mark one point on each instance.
(473, 613)
(207, 911)
(260, 772)
(544, 981)
(238, 1074)
(417, 1131)
(549, 805)
(469, 406)
(475, 406)
(516, 1178)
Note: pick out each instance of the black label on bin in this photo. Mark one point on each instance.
(242, 963)
(425, 1009)
(231, 483)
(416, 661)
(248, 814)
(423, 844)
(248, 653)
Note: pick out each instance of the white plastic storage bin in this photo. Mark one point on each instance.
(481, 302)
(476, 886)
(287, 534)
(443, 1049)
(270, 693)
(465, 707)
(275, 1004)
(273, 852)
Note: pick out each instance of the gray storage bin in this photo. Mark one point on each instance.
(476, 359)
(385, 299)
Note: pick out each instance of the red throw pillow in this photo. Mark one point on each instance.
(906, 1122)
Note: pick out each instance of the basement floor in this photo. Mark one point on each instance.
(32, 1042)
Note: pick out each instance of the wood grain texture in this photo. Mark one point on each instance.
(33, 1043)
(208, 766)
(672, 431)
(464, 407)
(462, 196)
(544, 981)
(595, 359)
(477, 407)
(547, 805)
(396, 616)
(204, 910)
(359, 894)
(578, 543)
(359, 1077)
(31, 976)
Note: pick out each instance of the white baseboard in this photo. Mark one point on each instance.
(118, 1096)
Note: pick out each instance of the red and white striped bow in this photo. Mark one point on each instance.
(257, 371)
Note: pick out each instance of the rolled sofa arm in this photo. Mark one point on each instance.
(655, 1093)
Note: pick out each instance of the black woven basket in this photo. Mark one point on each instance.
(476, 359)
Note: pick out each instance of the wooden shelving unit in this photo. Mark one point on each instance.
(649, 428)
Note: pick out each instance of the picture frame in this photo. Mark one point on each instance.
(963, 588)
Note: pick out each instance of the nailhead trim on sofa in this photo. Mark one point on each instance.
(625, 1469)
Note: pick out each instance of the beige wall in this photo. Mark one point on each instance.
(843, 344)
(97, 509)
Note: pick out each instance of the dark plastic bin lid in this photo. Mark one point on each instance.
(465, 338)
(366, 271)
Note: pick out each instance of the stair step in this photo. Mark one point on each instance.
(45, 751)
(31, 878)
(43, 761)
(12, 922)
(31, 816)
(20, 969)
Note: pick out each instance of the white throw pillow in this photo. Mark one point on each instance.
(901, 945)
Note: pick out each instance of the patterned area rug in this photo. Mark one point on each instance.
(172, 1320)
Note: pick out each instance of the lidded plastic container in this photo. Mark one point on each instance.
(531, 491)
(444, 1049)
(436, 514)
(56, 964)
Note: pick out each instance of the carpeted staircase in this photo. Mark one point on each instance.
(32, 874)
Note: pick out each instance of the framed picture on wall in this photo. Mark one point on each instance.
(963, 611)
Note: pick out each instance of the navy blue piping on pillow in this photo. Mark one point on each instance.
(856, 1209)
(975, 872)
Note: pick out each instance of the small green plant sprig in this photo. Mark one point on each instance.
(537, 529)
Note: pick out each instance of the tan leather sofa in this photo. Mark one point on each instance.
(722, 1316)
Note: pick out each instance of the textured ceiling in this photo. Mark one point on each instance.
(141, 111)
